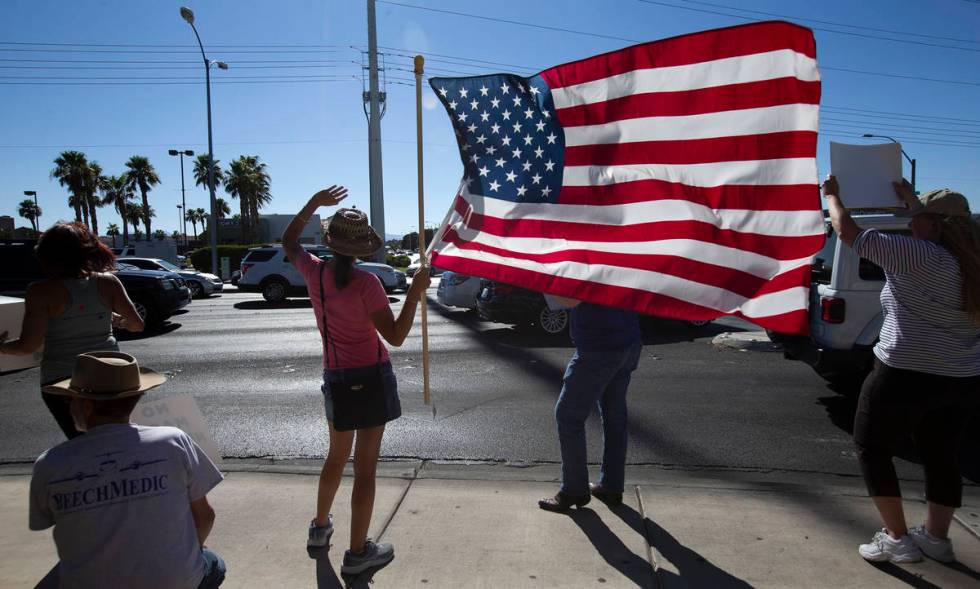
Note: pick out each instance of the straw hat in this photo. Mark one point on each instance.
(103, 376)
(348, 233)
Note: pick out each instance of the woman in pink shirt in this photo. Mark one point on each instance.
(359, 387)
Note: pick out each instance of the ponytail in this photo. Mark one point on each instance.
(343, 267)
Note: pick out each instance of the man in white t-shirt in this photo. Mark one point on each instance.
(128, 503)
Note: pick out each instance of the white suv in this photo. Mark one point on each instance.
(268, 270)
(845, 311)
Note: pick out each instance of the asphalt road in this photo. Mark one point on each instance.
(255, 371)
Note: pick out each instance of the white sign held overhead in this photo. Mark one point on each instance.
(866, 173)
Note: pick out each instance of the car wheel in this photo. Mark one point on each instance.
(552, 322)
(274, 291)
(197, 291)
(148, 314)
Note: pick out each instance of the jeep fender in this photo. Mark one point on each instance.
(869, 335)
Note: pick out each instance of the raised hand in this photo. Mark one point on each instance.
(831, 187)
(330, 196)
(906, 193)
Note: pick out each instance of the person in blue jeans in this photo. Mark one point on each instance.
(607, 351)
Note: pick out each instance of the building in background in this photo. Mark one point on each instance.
(270, 230)
(6, 226)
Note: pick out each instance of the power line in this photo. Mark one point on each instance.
(196, 62)
(165, 46)
(168, 52)
(852, 34)
(828, 22)
(902, 76)
(325, 80)
(900, 116)
(509, 22)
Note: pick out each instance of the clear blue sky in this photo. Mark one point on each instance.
(313, 133)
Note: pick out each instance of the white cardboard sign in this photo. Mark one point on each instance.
(11, 319)
(180, 411)
(866, 172)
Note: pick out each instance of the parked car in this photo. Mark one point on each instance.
(414, 267)
(201, 284)
(155, 294)
(458, 290)
(845, 311)
(267, 270)
(504, 303)
(18, 266)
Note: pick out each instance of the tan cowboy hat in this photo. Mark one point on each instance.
(349, 233)
(103, 376)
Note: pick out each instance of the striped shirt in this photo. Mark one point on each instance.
(926, 327)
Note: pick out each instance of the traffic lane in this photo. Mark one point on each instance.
(494, 388)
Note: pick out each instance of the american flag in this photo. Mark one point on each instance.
(676, 178)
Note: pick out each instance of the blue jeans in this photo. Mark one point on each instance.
(214, 570)
(595, 378)
(343, 375)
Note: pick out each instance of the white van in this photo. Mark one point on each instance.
(845, 310)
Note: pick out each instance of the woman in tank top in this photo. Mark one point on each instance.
(73, 311)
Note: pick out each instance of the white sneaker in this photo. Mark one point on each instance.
(940, 549)
(885, 548)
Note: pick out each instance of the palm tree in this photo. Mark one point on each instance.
(116, 192)
(29, 211)
(221, 208)
(112, 231)
(93, 181)
(248, 181)
(159, 234)
(134, 213)
(201, 172)
(194, 215)
(142, 175)
(71, 169)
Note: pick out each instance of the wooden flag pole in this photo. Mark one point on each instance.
(423, 262)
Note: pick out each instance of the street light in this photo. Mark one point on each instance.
(37, 209)
(188, 15)
(180, 214)
(893, 140)
(183, 196)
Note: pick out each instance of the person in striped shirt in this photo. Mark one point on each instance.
(926, 379)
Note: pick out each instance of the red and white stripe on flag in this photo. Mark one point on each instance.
(689, 188)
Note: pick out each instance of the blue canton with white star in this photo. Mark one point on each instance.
(509, 138)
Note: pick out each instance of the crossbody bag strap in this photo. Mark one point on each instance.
(323, 319)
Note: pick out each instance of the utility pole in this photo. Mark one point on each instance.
(375, 99)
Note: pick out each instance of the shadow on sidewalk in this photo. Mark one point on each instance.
(907, 577)
(326, 576)
(612, 549)
(693, 570)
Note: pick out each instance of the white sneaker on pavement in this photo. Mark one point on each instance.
(885, 548)
(940, 549)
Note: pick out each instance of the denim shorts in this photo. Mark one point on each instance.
(341, 375)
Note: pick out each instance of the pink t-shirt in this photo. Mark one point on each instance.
(353, 340)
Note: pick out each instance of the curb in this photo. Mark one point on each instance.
(745, 341)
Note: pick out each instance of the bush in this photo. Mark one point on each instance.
(398, 261)
(201, 258)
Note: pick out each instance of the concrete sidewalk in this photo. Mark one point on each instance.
(477, 525)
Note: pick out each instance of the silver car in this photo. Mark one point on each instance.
(201, 284)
